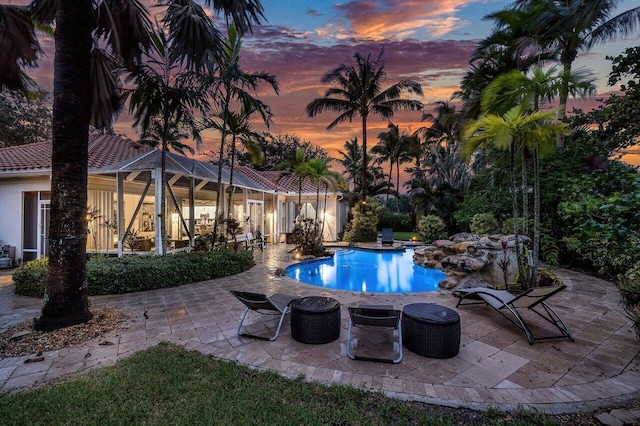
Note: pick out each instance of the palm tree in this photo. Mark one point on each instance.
(163, 102)
(572, 26)
(321, 175)
(232, 83)
(85, 32)
(358, 91)
(386, 150)
(506, 132)
(240, 129)
(295, 166)
(533, 91)
(351, 159)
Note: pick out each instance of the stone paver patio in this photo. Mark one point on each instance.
(496, 367)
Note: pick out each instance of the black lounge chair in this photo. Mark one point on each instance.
(506, 303)
(277, 304)
(375, 317)
(387, 236)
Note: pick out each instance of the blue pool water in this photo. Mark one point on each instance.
(373, 271)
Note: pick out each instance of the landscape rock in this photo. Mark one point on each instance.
(470, 260)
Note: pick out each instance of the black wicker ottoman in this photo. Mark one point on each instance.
(431, 330)
(315, 319)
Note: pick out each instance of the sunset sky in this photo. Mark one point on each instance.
(428, 41)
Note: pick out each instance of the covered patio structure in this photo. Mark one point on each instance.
(130, 218)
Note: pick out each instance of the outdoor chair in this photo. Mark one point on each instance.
(375, 318)
(508, 305)
(277, 304)
(387, 236)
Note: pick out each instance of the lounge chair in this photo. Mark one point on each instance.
(277, 304)
(375, 317)
(387, 236)
(506, 303)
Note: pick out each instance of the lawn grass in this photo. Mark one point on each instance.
(167, 385)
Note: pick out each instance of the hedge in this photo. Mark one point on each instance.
(108, 275)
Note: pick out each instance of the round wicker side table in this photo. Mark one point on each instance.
(315, 319)
(431, 330)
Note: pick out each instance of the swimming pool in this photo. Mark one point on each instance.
(374, 271)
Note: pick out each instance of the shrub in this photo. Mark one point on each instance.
(108, 275)
(364, 225)
(629, 285)
(30, 278)
(483, 224)
(507, 226)
(431, 228)
(399, 222)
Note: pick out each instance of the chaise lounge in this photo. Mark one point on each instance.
(375, 317)
(277, 304)
(507, 305)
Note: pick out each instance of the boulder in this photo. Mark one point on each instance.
(463, 262)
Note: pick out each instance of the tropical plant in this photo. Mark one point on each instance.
(358, 92)
(540, 88)
(93, 36)
(431, 228)
(295, 166)
(507, 132)
(394, 148)
(240, 130)
(279, 148)
(483, 224)
(24, 118)
(364, 225)
(572, 26)
(163, 102)
(232, 84)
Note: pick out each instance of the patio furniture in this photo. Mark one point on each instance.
(387, 236)
(277, 304)
(250, 242)
(315, 319)
(507, 305)
(375, 318)
(431, 330)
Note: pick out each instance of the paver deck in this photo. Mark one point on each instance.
(495, 367)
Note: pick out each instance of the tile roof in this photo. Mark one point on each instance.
(276, 181)
(103, 151)
(111, 150)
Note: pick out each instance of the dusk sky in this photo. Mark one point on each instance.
(427, 41)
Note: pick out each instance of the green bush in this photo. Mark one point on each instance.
(109, 275)
(31, 278)
(431, 228)
(629, 285)
(483, 224)
(364, 226)
(399, 222)
(507, 226)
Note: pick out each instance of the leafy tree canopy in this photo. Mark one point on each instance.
(24, 118)
(616, 119)
(280, 148)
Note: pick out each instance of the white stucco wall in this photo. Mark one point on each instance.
(11, 207)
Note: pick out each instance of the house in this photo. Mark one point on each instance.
(123, 215)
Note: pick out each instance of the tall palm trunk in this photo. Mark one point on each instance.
(536, 215)
(514, 205)
(364, 158)
(567, 58)
(389, 182)
(65, 299)
(525, 194)
(398, 186)
(233, 157)
(223, 136)
(163, 184)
